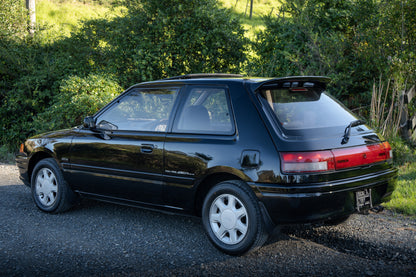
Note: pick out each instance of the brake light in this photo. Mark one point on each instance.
(318, 161)
(323, 161)
(361, 155)
(298, 89)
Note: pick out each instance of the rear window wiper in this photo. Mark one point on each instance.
(347, 131)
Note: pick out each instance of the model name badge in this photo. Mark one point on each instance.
(179, 172)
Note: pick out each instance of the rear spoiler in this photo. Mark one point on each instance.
(301, 79)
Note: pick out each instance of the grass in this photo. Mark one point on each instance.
(404, 197)
(241, 8)
(60, 18)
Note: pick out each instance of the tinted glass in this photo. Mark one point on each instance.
(306, 108)
(206, 110)
(140, 110)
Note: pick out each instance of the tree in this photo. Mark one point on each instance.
(251, 8)
(164, 38)
(31, 8)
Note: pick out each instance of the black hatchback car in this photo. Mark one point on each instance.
(245, 154)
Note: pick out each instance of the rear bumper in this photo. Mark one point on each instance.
(322, 201)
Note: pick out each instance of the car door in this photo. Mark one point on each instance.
(202, 138)
(121, 158)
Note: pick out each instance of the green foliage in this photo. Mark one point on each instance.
(30, 77)
(353, 42)
(152, 40)
(77, 98)
(6, 156)
(159, 39)
(57, 19)
(13, 18)
(403, 199)
(261, 8)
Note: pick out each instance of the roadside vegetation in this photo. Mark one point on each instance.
(86, 52)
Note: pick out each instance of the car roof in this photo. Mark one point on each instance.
(254, 82)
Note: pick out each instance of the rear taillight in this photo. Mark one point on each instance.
(321, 161)
(389, 151)
(361, 155)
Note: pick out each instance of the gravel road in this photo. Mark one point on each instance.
(99, 239)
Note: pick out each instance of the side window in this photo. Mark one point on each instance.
(206, 110)
(140, 110)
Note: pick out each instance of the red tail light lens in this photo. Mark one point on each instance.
(323, 161)
(362, 155)
(318, 161)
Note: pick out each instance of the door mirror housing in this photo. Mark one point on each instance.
(89, 122)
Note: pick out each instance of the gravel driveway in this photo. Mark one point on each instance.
(99, 239)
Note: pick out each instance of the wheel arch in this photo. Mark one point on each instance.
(35, 158)
(214, 178)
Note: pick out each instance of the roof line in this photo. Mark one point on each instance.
(205, 75)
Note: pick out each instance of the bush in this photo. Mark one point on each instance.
(30, 77)
(13, 19)
(6, 156)
(153, 40)
(353, 42)
(77, 98)
(158, 39)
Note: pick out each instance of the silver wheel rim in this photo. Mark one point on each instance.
(228, 219)
(46, 187)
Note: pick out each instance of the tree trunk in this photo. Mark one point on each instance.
(31, 8)
(251, 9)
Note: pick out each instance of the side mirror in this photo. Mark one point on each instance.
(89, 122)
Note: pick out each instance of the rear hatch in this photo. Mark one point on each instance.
(315, 133)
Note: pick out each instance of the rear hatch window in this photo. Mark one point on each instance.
(305, 109)
(315, 125)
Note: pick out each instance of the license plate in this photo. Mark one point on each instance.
(363, 199)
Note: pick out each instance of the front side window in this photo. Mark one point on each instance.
(140, 110)
(206, 110)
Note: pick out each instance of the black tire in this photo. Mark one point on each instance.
(50, 192)
(235, 232)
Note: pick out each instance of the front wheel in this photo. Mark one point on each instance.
(50, 191)
(232, 218)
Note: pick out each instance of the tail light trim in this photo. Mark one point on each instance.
(336, 159)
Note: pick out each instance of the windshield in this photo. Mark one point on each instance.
(306, 108)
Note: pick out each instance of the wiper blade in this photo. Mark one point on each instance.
(347, 131)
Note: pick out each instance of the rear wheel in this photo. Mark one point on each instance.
(50, 192)
(232, 218)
